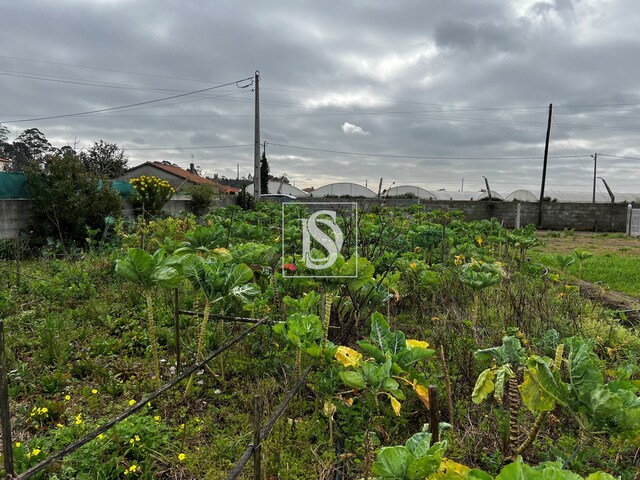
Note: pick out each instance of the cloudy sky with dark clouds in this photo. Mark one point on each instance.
(419, 92)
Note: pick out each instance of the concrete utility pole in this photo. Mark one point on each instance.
(595, 169)
(486, 182)
(609, 191)
(544, 165)
(256, 146)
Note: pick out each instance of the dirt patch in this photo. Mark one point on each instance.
(596, 243)
(611, 300)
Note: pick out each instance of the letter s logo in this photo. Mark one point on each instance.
(333, 245)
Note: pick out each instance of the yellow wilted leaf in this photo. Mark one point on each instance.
(417, 343)
(348, 356)
(450, 470)
(423, 394)
(348, 402)
(395, 404)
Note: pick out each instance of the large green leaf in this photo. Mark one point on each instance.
(392, 463)
(542, 387)
(510, 352)
(484, 386)
(353, 379)
(372, 350)
(137, 267)
(419, 444)
(238, 275)
(380, 331)
(502, 375)
(245, 293)
(408, 357)
(584, 373)
(427, 463)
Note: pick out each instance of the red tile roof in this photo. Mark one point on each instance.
(182, 173)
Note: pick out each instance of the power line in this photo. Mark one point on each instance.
(90, 112)
(186, 148)
(362, 154)
(618, 156)
(87, 67)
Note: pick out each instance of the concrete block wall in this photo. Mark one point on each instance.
(601, 217)
(15, 215)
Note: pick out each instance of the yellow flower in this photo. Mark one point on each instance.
(417, 343)
(44, 410)
(157, 418)
(18, 444)
(348, 402)
(181, 427)
(348, 357)
(101, 436)
(412, 265)
(35, 452)
(181, 457)
(94, 391)
(137, 438)
(67, 397)
(79, 419)
(479, 240)
(132, 402)
(59, 425)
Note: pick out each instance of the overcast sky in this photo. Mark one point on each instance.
(419, 92)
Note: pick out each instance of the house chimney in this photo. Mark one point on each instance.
(192, 168)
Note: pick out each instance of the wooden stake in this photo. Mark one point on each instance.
(434, 420)
(5, 417)
(257, 449)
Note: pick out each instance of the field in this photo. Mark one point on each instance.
(531, 375)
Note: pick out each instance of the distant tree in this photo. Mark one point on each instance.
(31, 146)
(202, 197)
(4, 144)
(67, 200)
(105, 160)
(264, 174)
(4, 134)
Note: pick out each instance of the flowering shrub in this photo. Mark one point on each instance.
(152, 193)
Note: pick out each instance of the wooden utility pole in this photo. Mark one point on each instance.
(256, 146)
(544, 165)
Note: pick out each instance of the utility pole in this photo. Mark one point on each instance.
(595, 169)
(462, 185)
(544, 165)
(256, 146)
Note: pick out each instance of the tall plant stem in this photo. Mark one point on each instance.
(514, 408)
(152, 337)
(474, 316)
(533, 433)
(328, 300)
(201, 335)
(447, 383)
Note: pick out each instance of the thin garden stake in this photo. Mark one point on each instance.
(5, 417)
(257, 448)
(176, 321)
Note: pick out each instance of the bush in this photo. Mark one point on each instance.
(202, 197)
(67, 201)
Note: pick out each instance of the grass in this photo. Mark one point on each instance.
(615, 262)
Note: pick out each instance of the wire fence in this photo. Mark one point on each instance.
(127, 413)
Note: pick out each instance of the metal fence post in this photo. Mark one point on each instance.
(5, 417)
